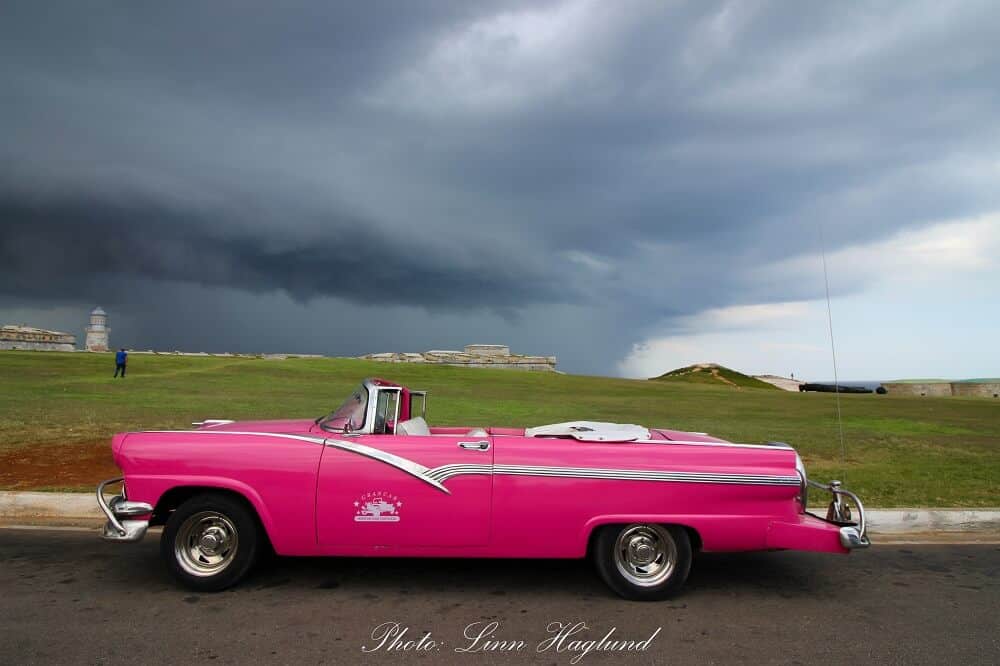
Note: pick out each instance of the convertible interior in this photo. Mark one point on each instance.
(418, 426)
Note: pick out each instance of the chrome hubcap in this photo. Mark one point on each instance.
(206, 543)
(645, 554)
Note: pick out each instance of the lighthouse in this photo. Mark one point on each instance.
(97, 332)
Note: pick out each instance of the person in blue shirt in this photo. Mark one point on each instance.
(121, 358)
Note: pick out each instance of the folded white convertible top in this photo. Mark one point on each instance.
(591, 431)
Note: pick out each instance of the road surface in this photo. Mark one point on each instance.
(66, 597)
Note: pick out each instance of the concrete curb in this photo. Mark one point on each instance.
(904, 521)
(81, 508)
(49, 508)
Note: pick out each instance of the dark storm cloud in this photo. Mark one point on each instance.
(630, 162)
(62, 250)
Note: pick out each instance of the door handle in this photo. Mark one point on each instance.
(475, 446)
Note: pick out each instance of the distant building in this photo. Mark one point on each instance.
(474, 356)
(36, 339)
(981, 388)
(98, 331)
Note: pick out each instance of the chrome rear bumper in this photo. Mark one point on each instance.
(852, 535)
(119, 511)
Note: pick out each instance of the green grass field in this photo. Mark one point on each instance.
(901, 451)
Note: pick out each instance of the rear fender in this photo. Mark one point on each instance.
(713, 533)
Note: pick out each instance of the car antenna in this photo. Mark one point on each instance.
(833, 350)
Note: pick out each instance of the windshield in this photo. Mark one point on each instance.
(352, 412)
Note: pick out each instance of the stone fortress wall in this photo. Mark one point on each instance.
(945, 389)
(473, 356)
(35, 339)
(976, 389)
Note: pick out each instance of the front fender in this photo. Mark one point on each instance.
(291, 530)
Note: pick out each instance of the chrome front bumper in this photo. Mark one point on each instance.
(853, 535)
(119, 511)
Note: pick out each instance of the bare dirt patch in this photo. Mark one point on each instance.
(77, 466)
(715, 373)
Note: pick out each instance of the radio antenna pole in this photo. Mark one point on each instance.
(833, 350)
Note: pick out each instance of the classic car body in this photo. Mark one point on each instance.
(373, 479)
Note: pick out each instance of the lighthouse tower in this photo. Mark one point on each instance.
(97, 332)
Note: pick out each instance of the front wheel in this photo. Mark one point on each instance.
(643, 562)
(210, 542)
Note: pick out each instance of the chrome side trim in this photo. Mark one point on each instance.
(211, 423)
(648, 475)
(411, 467)
(301, 438)
(731, 445)
(445, 472)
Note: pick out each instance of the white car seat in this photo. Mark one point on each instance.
(477, 432)
(414, 426)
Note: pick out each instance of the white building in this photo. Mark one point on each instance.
(98, 331)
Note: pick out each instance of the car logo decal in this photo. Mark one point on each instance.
(377, 507)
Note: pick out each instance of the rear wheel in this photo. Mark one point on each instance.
(210, 542)
(643, 561)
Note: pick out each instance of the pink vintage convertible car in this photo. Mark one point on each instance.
(372, 478)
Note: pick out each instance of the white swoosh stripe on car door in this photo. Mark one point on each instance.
(411, 467)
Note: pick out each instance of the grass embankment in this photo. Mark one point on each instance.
(714, 375)
(58, 410)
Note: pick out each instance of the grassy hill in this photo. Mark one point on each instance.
(715, 375)
(58, 411)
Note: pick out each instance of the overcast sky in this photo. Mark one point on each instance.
(630, 186)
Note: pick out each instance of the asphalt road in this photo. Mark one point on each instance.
(66, 597)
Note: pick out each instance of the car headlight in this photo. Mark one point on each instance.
(803, 482)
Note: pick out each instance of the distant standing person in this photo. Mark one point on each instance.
(121, 358)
